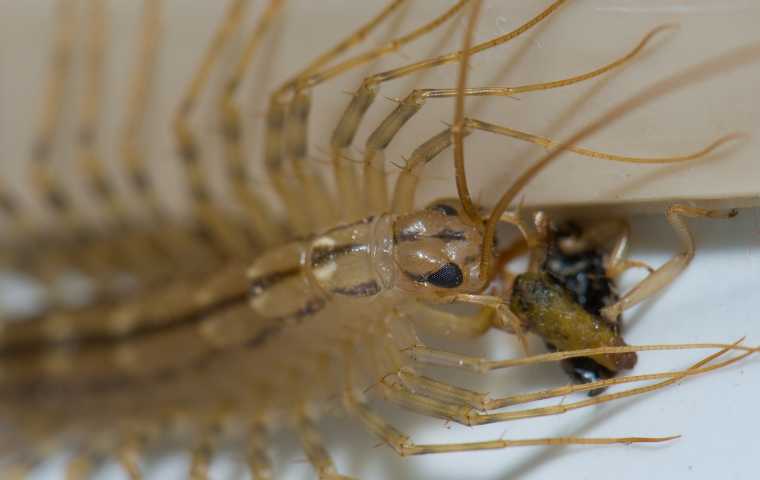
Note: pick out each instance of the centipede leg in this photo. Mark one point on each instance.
(403, 445)
(315, 451)
(227, 238)
(396, 392)
(278, 129)
(664, 275)
(264, 225)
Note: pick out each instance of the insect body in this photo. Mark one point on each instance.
(195, 352)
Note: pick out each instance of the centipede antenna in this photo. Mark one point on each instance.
(463, 191)
(730, 60)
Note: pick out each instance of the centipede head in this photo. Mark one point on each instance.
(437, 251)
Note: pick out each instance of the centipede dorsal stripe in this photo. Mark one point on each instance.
(210, 250)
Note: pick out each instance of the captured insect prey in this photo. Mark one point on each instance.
(384, 239)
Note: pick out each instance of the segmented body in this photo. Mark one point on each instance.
(204, 324)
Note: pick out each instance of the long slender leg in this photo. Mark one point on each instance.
(227, 238)
(549, 143)
(344, 133)
(395, 392)
(171, 243)
(264, 225)
(365, 95)
(276, 121)
(406, 184)
(663, 276)
(403, 445)
(315, 450)
(384, 134)
(429, 356)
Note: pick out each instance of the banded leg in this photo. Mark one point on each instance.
(276, 121)
(406, 183)
(396, 393)
(663, 276)
(403, 445)
(315, 450)
(227, 238)
(264, 225)
(450, 399)
(365, 95)
(170, 244)
(345, 131)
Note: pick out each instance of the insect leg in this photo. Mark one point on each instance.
(315, 450)
(664, 275)
(255, 208)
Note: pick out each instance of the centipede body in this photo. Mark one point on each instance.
(177, 175)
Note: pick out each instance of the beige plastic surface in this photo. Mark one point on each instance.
(580, 37)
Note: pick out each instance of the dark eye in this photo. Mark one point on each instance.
(448, 276)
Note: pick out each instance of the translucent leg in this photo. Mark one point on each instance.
(426, 355)
(549, 143)
(663, 276)
(315, 450)
(255, 208)
(276, 124)
(403, 445)
(396, 393)
(224, 236)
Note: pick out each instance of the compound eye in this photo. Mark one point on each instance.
(448, 276)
